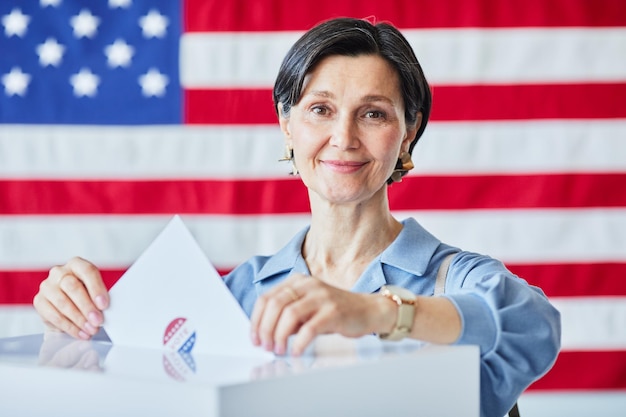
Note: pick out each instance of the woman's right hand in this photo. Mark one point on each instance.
(72, 298)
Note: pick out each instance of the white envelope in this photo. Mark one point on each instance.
(173, 299)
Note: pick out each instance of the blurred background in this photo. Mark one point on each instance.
(116, 115)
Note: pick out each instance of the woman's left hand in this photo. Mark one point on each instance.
(308, 307)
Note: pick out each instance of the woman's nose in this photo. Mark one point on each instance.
(344, 134)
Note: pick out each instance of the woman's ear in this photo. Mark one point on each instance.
(283, 121)
(411, 131)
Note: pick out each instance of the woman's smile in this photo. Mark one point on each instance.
(342, 167)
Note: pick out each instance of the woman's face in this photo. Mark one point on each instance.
(348, 128)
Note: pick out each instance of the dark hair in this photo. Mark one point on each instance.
(353, 37)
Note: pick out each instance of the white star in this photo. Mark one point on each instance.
(153, 83)
(50, 52)
(85, 24)
(53, 3)
(15, 23)
(153, 24)
(15, 82)
(85, 83)
(120, 3)
(119, 54)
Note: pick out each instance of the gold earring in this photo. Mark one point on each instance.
(404, 165)
(289, 157)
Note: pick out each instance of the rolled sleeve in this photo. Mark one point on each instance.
(514, 324)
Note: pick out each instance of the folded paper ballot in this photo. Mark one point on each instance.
(173, 299)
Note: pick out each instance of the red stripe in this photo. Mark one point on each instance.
(19, 287)
(45, 197)
(575, 279)
(604, 370)
(273, 15)
(450, 103)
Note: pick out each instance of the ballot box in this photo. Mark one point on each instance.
(52, 375)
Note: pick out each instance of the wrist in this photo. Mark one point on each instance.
(405, 303)
(387, 316)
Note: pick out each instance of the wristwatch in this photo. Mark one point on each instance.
(406, 301)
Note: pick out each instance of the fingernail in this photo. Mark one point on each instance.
(90, 329)
(83, 335)
(279, 350)
(101, 302)
(255, 339)
(94, 318)
(268, 346)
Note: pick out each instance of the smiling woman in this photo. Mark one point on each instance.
(348, 128)
(352, 102)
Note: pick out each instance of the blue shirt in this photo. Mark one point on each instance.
(517, 329)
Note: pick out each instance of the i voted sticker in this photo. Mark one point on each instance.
(179, 339)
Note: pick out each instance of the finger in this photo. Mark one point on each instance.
(89, 274)
(57, 320)
(316, 325)
(291, 320)
(273, 310)
(90, 318)
(58, 295)
(70, 299)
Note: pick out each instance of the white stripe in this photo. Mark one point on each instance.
(588, 323)
(524, 236)
(104, 152)
(533, 236)
(592, 323)
(19, 320)
(448, 56)
(596, 403)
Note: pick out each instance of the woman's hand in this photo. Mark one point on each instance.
(309, 307)
(71, 299)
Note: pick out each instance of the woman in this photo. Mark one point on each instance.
(352, 102)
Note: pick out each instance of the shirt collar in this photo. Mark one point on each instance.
(411, 251)
(289, 258)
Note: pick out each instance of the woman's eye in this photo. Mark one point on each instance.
(319, 110)
(374, 114)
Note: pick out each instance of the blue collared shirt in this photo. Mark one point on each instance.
(517, 329)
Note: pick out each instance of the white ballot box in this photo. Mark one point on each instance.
(54, 375)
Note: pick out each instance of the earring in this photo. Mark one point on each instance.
(289, 157)
(404, 165)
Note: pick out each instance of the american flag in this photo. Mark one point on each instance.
(115, 115)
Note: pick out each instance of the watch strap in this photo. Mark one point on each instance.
(406, 312)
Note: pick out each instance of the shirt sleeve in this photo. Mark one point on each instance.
(517, 329)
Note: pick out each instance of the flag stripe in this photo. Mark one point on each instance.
(584, 280)
(592, 323)
(448, 57)
(172, 152)
(268, 197)
(573, 370)
(281, 15)
(515, 236)
(589, 323)
(450, 103)
(585, 371)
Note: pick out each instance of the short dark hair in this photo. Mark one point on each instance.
(353, 37)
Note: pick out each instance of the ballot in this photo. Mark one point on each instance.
(173, 299)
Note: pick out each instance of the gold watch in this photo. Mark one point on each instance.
(406, 301)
